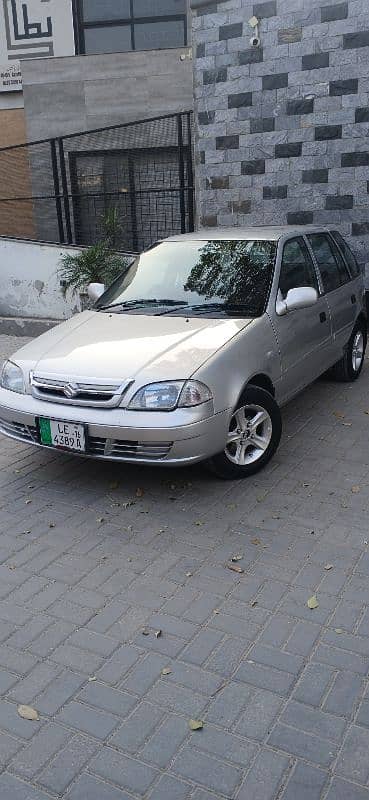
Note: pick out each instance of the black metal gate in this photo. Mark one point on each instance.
(60, 190)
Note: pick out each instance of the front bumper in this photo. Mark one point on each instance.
(172, 438)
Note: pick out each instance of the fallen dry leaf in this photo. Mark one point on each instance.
(27, 712)
(114, 485)
(237, 558)
(312, 602)
(328, 567)
(235, 568)
(355, 489)
(195, 724)
(139, 492)
(256, 540)
(338, 414)
(166, 671)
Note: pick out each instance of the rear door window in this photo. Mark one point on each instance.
(330, 262)
(348, 254)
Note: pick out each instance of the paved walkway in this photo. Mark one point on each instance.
(94, 556)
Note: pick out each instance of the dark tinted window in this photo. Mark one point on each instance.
(199, 273)
(331, 264)
(297, 268)
(109, 26)
(103, 10)
(349, 256)
(161, 34)
(154, 8)
(109, 39)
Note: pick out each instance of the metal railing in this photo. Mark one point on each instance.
(62, 189)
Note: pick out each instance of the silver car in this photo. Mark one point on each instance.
(190, 354)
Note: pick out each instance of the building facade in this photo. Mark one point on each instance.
(282, 114)
(108, 61)
(86, 65)
(34, 29)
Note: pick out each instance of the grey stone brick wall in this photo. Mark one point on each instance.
(282, 129)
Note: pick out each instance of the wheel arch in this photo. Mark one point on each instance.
(362, 318)
(261, 381)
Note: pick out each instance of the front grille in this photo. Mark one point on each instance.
(120, 449)
(114, 449)
(77, 393)
(26, 433)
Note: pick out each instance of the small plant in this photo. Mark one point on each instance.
(99, 263)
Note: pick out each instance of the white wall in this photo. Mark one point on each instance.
(29, 284)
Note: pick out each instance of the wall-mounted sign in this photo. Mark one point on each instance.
(10, 77)
(32, 29)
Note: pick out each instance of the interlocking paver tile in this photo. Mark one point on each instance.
(342, 790)
(305, 783)
(266, 776)
(353, 762)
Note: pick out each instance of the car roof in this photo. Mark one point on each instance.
(263, 232)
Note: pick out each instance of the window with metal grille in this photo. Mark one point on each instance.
(112, 26)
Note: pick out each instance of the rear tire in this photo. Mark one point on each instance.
(349, 367)
(254, 434)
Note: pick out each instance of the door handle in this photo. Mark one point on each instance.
(323, 317)
(353, 299)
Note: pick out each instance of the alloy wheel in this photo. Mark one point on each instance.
(357, 353)
(249, 436)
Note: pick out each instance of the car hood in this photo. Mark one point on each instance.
(121, 346)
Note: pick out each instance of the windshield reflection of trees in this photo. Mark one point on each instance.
(237, 272)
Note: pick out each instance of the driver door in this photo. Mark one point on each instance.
(305, 335)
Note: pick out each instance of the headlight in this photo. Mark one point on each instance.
(12, 378)
(170, 395)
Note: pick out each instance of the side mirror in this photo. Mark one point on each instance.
(302, 297)
(95, 290)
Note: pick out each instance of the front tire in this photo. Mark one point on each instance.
(254, 434)
(348, 368)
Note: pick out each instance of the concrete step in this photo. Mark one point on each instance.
(25, 326)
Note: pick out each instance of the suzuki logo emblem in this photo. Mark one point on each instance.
(70, 390)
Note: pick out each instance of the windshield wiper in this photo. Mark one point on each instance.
(235, 307)
(150, 301)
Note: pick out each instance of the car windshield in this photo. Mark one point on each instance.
(196, 276)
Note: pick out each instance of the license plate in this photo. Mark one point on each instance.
(65, 435)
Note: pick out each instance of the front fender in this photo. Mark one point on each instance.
(253, 351)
